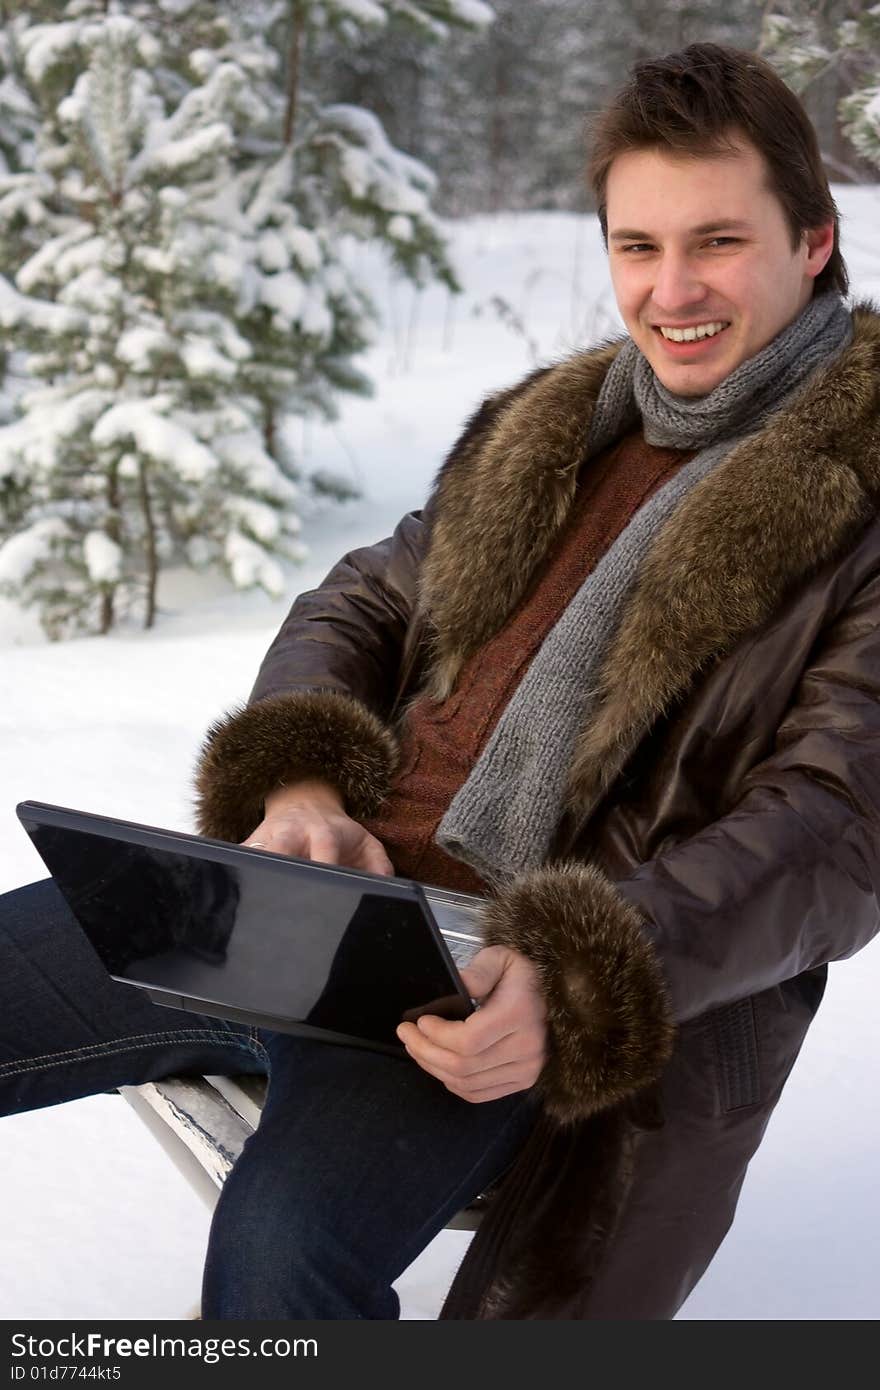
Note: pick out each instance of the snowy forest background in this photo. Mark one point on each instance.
(258, 262)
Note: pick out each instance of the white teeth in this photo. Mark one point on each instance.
(688, 335)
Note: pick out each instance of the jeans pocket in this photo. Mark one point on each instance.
(736, 1052)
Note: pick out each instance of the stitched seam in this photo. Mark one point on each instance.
(131, 1044)
(737, 1052)
(173, 1035)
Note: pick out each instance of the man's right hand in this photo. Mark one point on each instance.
(308, 820)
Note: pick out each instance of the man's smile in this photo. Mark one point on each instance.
(690, 342)
(690, 332)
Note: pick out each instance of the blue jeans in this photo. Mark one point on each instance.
(359, 1160)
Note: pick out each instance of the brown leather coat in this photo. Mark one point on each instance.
(721, 842)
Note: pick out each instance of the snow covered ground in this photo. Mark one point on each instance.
(96, 1221)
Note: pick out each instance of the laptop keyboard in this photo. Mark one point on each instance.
(458, 917)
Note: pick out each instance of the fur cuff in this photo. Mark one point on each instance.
(608, 1014)
(285, 738)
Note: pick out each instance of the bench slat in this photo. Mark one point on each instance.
(203, 1122)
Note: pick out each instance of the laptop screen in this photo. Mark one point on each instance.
(285, 941)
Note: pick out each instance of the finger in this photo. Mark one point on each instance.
(484, 970)
(468, 1037)
(512, 1076)
(520, 1073)
(323, 846)
(515, 1051)
(494, 1093)
(375, 860)
(517, 1077)
(513, 1048)
(283, 844)
(268, 842)
(258, 837)
(278, 836)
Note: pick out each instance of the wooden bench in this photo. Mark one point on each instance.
(202, 1123)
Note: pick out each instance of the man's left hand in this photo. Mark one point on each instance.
(501, 1047)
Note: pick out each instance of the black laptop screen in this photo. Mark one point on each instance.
(259, 935)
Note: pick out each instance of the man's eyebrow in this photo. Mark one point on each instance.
(704, 229)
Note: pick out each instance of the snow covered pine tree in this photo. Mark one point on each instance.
(185, 287)
(803, 46)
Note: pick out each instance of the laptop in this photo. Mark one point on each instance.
(245, 934)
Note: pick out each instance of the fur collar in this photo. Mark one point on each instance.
(786, 501)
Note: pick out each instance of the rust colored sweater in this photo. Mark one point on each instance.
(442, 741)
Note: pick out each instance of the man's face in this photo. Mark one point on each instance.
(702, 245)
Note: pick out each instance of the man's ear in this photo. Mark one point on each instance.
(819, 242)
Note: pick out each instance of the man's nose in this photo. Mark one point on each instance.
(677, 284)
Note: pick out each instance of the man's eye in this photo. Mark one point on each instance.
(632, 246)
(724, 241)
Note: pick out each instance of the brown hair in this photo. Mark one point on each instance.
(696, 103)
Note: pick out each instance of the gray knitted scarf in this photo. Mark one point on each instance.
(502, 819)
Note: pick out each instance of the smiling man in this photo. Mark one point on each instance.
(705, 265)
(622, 676)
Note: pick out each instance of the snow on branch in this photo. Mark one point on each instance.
(23, 552)
(20, 311)
(46, 46)
(372, 167)
(163, 440)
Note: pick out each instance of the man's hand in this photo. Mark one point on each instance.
(308, 820)
(499, 1049)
